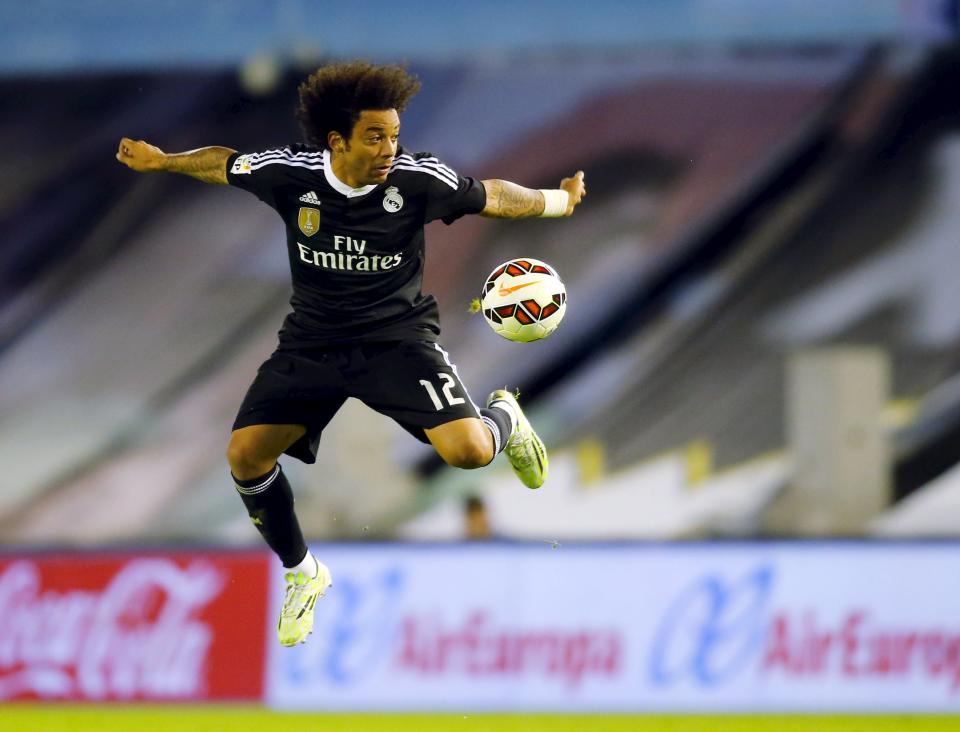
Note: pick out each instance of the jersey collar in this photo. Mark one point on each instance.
(338, 185)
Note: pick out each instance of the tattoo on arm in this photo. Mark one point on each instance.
(506, 200)
(208, 164)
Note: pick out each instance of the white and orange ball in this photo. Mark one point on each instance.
(523, 300)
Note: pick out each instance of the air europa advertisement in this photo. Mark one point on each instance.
(837, 626)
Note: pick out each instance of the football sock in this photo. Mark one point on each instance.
(269, 502)
(500, 423)
(507, 409)
(308, 566)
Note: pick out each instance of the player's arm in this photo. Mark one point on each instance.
(506, 200)
(208, 164)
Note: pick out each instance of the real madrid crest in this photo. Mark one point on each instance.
(392, 200)
(308, 220)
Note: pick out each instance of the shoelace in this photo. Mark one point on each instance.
(296, 597)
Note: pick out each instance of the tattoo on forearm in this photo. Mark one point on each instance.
(208, 164)
(506, 200)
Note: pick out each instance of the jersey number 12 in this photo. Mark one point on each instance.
(448, 384)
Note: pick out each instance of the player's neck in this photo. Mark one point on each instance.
(337, 178)
(339, 167)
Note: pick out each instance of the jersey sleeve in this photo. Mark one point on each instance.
(450, 195)
(259, 173)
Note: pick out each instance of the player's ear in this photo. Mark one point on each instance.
(335, 141)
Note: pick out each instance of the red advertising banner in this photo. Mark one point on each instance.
(113, 627)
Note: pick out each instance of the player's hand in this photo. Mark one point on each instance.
(140, 156)
(576, 188)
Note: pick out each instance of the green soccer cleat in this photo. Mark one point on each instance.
(524, 449)
(296, 616)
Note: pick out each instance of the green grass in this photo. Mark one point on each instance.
(35, 718)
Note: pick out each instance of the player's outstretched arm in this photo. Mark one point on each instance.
(208, 164)
(506, 200)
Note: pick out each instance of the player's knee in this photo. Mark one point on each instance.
(246, 462)
(468, 454)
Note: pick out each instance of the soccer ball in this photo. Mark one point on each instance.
(523, 300)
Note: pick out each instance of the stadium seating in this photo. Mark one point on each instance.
(135, 309)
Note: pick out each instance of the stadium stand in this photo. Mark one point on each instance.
(134, 310)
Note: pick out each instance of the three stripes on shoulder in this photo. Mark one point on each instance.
(315, 161)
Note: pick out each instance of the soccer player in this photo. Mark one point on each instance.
(354, 203)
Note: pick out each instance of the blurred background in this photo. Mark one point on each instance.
(762, 342)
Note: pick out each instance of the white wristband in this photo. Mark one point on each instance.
(555, 202)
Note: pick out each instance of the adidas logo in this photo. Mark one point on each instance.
(310, 197)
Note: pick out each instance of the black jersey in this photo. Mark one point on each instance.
(356, 254)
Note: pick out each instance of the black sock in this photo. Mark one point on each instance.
(498, 422)
(269, 502)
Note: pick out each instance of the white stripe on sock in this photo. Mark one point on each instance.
(495, 431)
(260, 488)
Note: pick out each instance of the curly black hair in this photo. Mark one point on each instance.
(332, 98)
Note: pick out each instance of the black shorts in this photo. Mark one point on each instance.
(413, 382)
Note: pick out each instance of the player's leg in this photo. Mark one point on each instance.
(415, 383)
(253, 453)
(426, 396)
(285, 410)
(473, 443)
(524, 448)
(463, 443)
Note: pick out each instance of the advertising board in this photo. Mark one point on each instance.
(736, 627)
(119, 627)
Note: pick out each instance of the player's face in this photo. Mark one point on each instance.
(367, 155)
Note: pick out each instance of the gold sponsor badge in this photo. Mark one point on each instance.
(309, 220)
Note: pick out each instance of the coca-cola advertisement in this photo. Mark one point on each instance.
(155, 627)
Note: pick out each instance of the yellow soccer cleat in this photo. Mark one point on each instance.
(524, 449)
(296, 616)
